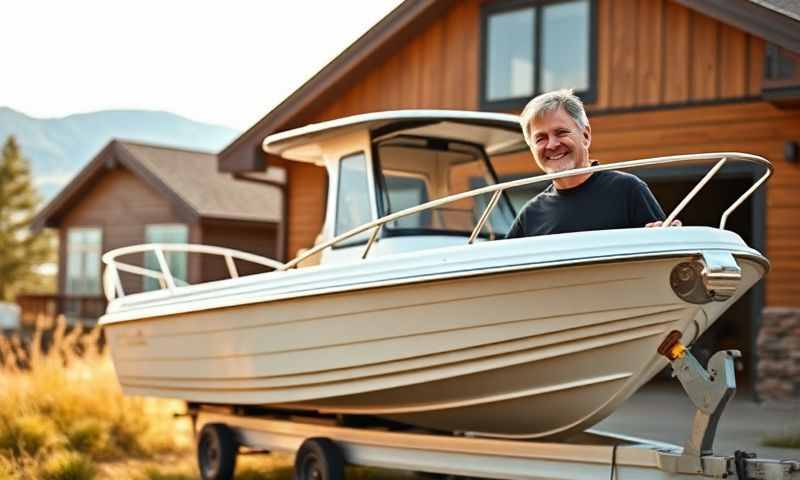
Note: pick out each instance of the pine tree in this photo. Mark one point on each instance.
(20, 250)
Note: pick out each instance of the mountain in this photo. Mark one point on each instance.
(59, 147)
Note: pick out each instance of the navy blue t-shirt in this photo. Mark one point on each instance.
(606, 200)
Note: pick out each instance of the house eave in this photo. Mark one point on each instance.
(753, 18)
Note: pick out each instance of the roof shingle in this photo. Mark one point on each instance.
(193, 176)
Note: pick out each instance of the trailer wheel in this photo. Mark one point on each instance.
(319, 459)
(216, 452)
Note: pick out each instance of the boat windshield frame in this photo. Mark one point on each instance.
(431, 143)
(719, 159)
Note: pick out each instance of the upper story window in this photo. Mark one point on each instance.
(176, 261)
(84, 248)
(781, 68)
(534, 46)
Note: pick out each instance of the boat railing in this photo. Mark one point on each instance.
(718, 160)
(112, 283)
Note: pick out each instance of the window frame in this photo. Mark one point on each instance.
(504, 6)
(381, 189)
(83, 251)
(371, 193)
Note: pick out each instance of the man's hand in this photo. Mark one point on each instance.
(675, 223)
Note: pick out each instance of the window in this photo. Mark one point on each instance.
(533, 46)
(166, 233)
(352, 198)
(414, 170)
(84, 248)
(781, 71)
(405, 190)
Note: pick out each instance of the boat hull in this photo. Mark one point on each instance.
(539, 352)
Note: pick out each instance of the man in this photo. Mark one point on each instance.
(557, 130)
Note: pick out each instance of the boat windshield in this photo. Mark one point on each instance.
(414, 170)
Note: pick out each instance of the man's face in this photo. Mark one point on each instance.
(558, 143)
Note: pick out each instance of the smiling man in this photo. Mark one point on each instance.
(557, 130)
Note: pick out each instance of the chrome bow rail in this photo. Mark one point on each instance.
(497, 190)
(112, 284)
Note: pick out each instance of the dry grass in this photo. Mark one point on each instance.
(63, 416)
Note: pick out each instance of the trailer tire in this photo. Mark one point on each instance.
(319, 459)
(216, 452)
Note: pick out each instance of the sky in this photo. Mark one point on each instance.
(222, 62)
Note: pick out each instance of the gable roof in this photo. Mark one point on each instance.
(189, 179)
(777, 21)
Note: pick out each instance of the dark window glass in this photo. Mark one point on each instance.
(406, 192)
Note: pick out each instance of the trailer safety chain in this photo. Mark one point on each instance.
(739, 460)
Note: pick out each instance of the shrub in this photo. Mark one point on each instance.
(63, 406)
(27, 434)
(89, 436)
(68, 466)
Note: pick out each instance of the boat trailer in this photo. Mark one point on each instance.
(323, 448)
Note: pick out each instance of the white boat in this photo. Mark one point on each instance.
(417, 316)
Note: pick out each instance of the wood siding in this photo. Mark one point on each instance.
(256, 238)
(121, 205)
(669, 80)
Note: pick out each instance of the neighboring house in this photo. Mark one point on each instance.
(659, 77)
(133, 193)
(9, 317)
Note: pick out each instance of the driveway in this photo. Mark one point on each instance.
(662, 411)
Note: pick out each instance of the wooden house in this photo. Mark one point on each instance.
(133, 193)
(658, 77)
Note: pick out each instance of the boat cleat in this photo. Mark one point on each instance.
(721, 275)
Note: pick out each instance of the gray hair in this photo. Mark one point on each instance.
(550, 102)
